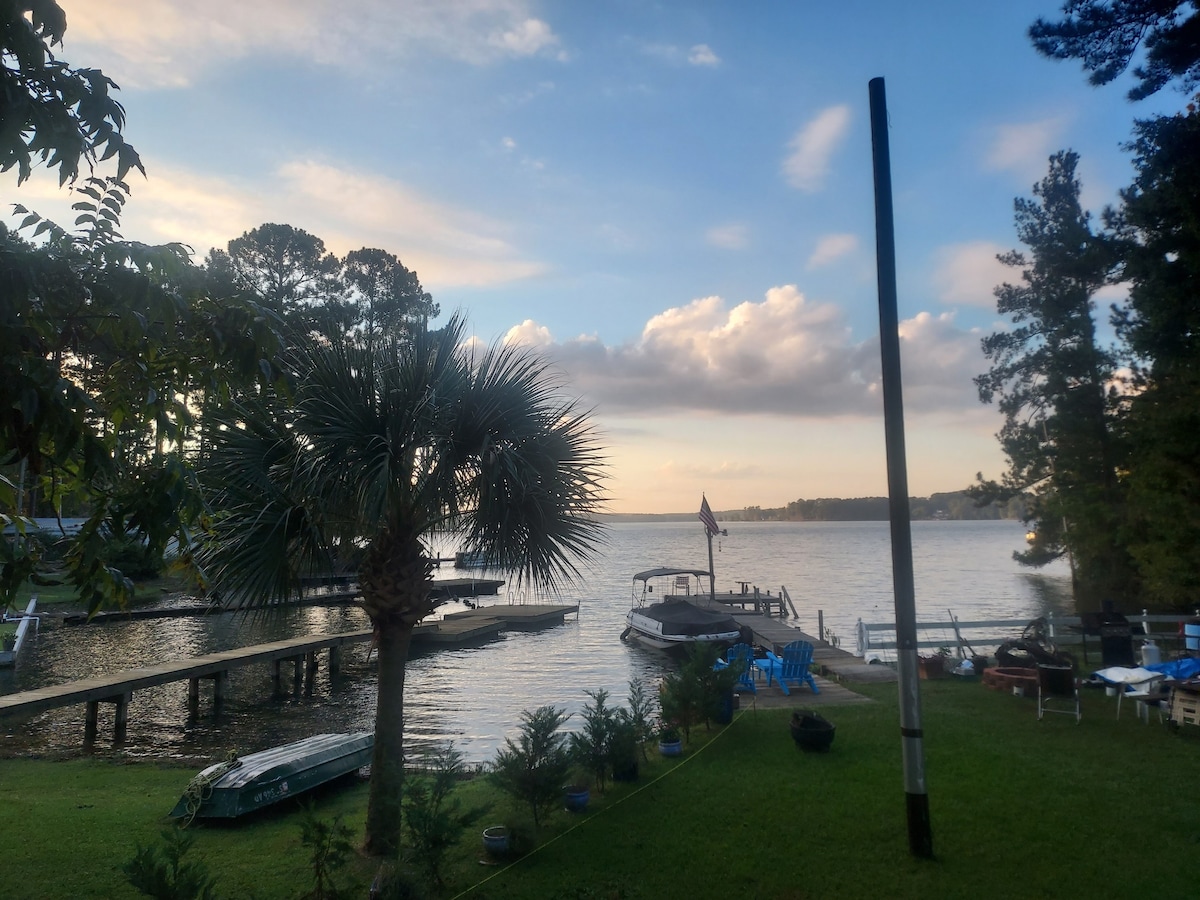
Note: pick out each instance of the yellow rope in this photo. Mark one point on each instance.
(600, 812)
(200, 788)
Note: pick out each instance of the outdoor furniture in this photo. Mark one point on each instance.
(792, 666)
(1056, 685)
(1185, 703)
(741, 658)
(1136, 683)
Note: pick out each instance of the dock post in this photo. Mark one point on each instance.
(91, 716)
(310, 671)
(298, 674)
(220, 685)
(193, 697)
(121, 723)
(821, 624)
(335, 661)
(277, 677)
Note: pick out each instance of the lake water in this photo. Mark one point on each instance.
(474, 695)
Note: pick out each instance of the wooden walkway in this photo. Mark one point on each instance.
(831, 662)
(117, 688)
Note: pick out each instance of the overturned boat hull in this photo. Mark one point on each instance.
(242, 785)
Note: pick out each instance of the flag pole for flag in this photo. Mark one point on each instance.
(710, 528)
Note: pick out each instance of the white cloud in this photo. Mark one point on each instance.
(832, 247)
(967, 274)
(807, 166)
(447, 246)
(508, 144)
(167, 44)
(733, 236)
(783, 356)
(528, 38)
(1024, 147)
(702, 55)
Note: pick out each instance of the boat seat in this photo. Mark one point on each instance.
(683, 585)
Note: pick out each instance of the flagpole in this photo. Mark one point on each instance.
(710, 528)
(712, 578)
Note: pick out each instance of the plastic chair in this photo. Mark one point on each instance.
(1056, 684)
(1143, 693)
(793, 665)
(740, 657)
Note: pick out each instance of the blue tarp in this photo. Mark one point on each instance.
(1180, 669)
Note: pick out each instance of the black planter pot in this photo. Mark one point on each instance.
(625, 770)
(811, 732)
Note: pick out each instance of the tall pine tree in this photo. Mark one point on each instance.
(1051, 379)
(1159, 231)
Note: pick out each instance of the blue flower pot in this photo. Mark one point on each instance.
(576, 798)
(495, 840)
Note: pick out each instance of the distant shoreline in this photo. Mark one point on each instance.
(951, 506)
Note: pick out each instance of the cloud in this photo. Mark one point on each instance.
(1024, 147)
(166, 44)
(702, 55)
(783, 356)
(807, 166)
(832, 247)
(967, 274)
(734, 236)
(528, 38)
(446, 245)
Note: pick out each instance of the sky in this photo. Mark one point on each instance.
(672, 201)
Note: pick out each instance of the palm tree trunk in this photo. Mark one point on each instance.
(387, 760)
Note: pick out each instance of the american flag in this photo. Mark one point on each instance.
(707, 517)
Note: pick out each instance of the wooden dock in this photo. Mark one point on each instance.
(829, 661)
(443, 589)
(117, 688)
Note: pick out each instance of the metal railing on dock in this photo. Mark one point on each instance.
(878, 639)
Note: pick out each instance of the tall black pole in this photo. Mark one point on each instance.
(920, 835)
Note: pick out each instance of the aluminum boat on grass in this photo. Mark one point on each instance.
(675, 622)
(244, 784)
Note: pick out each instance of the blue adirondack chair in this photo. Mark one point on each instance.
(741, 657)
(791, 666)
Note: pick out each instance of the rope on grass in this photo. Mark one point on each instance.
(649, 784)
(200, 788)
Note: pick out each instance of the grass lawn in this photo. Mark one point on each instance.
(1105, 809)
(65, 597)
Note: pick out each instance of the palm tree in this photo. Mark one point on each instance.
(381, 450)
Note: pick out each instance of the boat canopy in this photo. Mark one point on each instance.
(661, 573)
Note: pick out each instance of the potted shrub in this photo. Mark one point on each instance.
(623, 748)
(533, 769)
(575, 797)
(670, 742)
(590, 746)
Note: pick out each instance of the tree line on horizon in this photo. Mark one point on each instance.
(952, 505)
